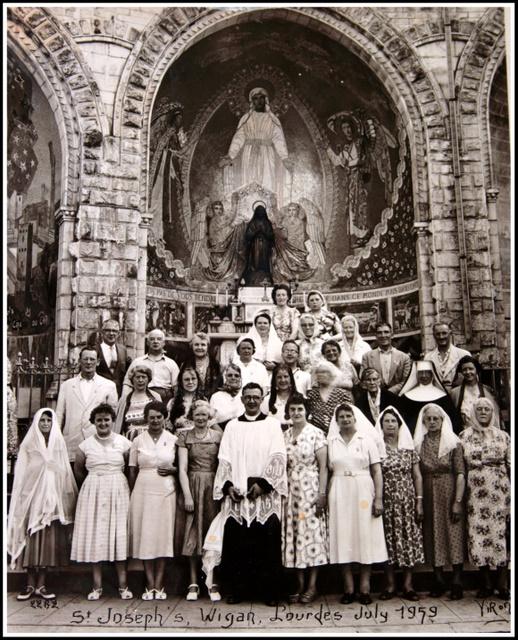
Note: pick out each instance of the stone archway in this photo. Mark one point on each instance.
(482, 56)
(362, 30)
(52, 59)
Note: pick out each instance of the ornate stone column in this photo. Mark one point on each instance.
(496, 270)
(66, 274)
(426, 284)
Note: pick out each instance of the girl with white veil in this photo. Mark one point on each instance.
(402, 502)
(42, 504)
(355, 499)
(354, 345)
(443, 469)
(268, 345)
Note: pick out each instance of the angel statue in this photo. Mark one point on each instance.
(303, 227)
(167, 144)
(363, 146)
(217, 239)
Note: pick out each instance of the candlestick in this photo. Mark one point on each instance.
(217, 296)
(226, 297)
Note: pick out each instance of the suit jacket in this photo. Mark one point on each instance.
(399, 370)
(450, 366)
(73, 413)
(121, 366)
(386, 399)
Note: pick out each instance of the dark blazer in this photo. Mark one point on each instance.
(123, 362)
(387, 398)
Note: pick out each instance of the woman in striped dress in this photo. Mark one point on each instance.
(101, 522)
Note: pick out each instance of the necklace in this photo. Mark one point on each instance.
(204, 434)
(105, 438)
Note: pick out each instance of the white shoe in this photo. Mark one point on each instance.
(148, 594)
(214, 594)
(160, 594)
(125, 594)
(194, 590)
(95, 594)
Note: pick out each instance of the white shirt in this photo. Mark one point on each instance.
(254, 371)
(226, 406)
(165, 371)
(302, 381)
(110, 354)
(86, 387)
(386, 363)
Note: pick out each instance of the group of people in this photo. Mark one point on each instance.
(309, 448)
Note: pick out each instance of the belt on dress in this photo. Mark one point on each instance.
(362, 472)
(107, 472)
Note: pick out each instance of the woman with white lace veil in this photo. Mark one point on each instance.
(355, 500)
(353, 344)
(268, 345)
(42, 504)
(443, 470)
(402, 502)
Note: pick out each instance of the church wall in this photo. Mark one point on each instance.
(104, 268)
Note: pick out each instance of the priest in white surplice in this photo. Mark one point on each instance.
(258, 151)
(251, 478)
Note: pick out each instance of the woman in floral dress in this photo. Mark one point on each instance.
(285, 319)
(487, 452)
(402, 501)
(304, 540)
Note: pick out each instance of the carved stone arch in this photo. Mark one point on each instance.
(478, 64)
(54, 61)
(361, 29)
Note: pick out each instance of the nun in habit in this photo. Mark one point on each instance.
(423, 386)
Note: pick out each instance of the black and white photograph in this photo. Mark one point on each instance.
(257, 316)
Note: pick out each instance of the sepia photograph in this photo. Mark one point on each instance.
(257, 316)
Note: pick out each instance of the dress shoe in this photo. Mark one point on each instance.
(457, 592)
(387, 595)
(348, 598)
(365, 598)
(233, 598)
(410, 595)
(484, 592)
(503, 594)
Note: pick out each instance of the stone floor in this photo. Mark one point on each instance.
(326, 616)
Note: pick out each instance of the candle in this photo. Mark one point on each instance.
(226, 297)
(217, 296)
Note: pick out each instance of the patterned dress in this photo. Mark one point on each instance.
(403, 534)
(304, 535)
(101, 522)
(489, 497)
(284, 321)
(202, 464)
(322, 412)
(444, 541)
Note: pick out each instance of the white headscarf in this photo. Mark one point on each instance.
(363, 426)
(44, 487)
(448, 440)
(404, 440)
(274, 347)
(414, 390)
(474, 425)
(358, 346)
(267, 108)
(307, 308)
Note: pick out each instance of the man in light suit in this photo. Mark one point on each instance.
(393, 365)
(446, 355)
(78, 396)
(113, 359)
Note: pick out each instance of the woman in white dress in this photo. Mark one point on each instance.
(355, 499)
(252, 370)
(268, 345)
(153, 498)
(101, 521)
(353, 344)
(226, 403)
